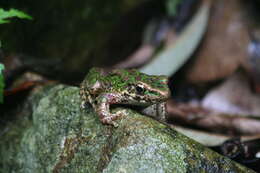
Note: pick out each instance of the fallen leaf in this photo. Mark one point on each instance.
(225, 44)
(170, 59)
(234, 96)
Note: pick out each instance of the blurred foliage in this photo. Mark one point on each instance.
(69, 37)
(5, 15)
(1, 83)
(4, 18)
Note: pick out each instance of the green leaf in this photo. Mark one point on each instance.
(1, 68)
(1, 83)
(4, 18)
(5, 15)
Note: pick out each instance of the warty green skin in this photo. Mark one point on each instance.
(121, 86)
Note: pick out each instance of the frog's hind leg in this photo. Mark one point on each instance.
(103, 108)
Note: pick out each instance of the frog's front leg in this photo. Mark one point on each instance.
(102, 107)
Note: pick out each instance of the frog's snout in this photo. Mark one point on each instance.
(165, 81)
(163, 93)
(166, 94)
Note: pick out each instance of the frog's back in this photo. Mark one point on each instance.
(92, 77)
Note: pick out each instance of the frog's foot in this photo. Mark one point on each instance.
(110, 119)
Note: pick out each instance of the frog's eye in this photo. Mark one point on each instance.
(139, 89)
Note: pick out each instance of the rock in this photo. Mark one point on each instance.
(59, 137)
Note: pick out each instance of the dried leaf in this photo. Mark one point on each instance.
(170, 59)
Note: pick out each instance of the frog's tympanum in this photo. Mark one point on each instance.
(119, 86)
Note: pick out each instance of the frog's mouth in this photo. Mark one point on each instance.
(163, 93)
(144, 100)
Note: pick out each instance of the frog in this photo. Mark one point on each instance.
(102, 88)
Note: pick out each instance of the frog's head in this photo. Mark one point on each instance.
(147, 89)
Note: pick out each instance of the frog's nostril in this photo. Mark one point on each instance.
(165, 94)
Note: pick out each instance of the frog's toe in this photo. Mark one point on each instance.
(114, 124)
(109, 120)
(106, 120)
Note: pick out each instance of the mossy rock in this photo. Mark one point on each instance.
(60, 137)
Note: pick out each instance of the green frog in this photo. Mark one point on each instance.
(103, 88)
